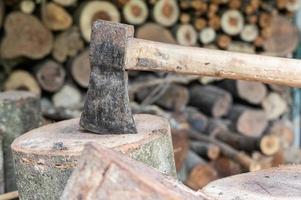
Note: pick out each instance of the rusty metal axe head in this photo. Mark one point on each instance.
(107, 109)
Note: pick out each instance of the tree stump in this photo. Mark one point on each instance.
(271, 184)
(20, 112)
(46, 157)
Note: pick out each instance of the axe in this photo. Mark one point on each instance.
(114, 50)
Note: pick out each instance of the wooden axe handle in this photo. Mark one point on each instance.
(155, 56)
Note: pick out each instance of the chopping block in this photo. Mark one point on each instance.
(45, 157)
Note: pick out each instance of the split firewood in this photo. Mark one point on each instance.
(149, 81)
(248, 121)
(249, 91)
(240, 157)
(249, 33)
(9, 195)
(135, 12)
(19, 40)
(212, 9)
(200, 7)
(27, 6)
(281, 4)
(205, 80)
(80, 68)
(53, 113)
(200, 173)
(270, 145)
(265, 19)
(252, 19)
(214, 22)
(50, 75)
(185, 18)
(62, 99)
(284, 37)
(186, 35)
(234, 4)
(216, 126)
(279, 88)
(166, 12)
(55, 17)
(180, 146)
(67, 44)
(274, 105)
(237, 141)
(259, 41)
(283, 129)
(205, 150)
(175, 98)
(66, 2)
(196, 119)
(155, 32)
(199, 23)
(22, 80)
(207, 35)
(293, 5)
(93, 10)
(211, 100)
(185, 4)
(232, 22)
(99, 165)
(241, 47)
(223, 41)
(226, 167)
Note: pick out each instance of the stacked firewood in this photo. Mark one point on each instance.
(220, 127)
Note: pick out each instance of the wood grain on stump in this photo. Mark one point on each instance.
(281, 183)
(45, 157)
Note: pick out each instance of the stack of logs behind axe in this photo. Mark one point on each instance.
(241, 126)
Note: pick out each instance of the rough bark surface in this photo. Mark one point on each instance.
(46, 157)
(20, 112)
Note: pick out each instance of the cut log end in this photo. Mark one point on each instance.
(270, 145)
(80, 69)
(166, 12)
(94, 10)
(232, 22)
(186, 35)
(50, 75)
(22, 80)
(135, 12)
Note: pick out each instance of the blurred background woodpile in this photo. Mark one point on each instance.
(220, 127)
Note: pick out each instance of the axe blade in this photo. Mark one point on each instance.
(107, 109)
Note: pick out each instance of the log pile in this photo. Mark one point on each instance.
(220, 127)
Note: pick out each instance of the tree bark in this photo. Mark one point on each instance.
(20, 112)
(211, 100)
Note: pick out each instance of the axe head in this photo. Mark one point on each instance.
(107, 109)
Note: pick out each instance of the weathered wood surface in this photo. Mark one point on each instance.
(281, 183)
(20, 112)
(45, 157)
(105, 174)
